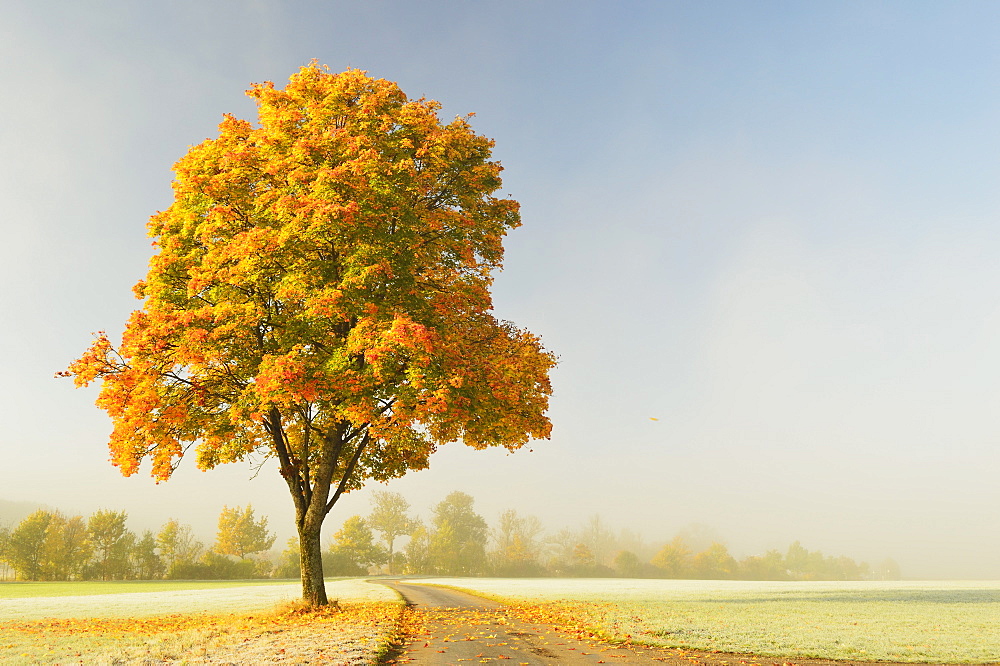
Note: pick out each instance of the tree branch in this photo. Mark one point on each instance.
(345, 477)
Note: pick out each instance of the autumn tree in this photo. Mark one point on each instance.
(675, 558)
(25, 550)
(583, 562)
(389, 518)
(66, 549)
(715, 562)
(627, 564)
(320, 295)
(240, 534)
(516, 545)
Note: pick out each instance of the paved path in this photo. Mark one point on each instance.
(449, 627)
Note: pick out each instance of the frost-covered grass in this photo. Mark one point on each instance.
(897, 621)
(237, 624)
(53, 600)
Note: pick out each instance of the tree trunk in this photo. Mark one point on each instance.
(311, 564)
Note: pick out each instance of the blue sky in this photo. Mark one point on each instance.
(773, 226)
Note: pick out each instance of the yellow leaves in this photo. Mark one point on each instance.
(325, 636)
(95, 361)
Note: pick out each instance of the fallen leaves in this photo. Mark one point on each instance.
(351, 635)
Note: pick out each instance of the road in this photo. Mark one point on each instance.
(450, 627)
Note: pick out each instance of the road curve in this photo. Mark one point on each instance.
(450, 627)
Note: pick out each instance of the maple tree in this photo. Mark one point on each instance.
(320, 294)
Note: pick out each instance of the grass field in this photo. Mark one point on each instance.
(926, 621)
(180, 622)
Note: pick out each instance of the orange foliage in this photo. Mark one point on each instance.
(320, 293)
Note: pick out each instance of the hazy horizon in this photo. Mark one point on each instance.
(698, 536)
(771, 227)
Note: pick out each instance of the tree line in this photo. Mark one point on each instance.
(456, 541)
(48, 545)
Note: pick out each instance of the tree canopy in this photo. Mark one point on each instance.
(320, 294)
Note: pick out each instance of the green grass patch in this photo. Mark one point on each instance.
(28, 589)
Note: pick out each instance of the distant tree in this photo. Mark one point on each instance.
(288, 561)
(213, 565)
(321, 293)
(561, 545)
(583, 558)
(844, 568)
(112, 542)
(599, 538)
(50, 558)
(4, 545)
(177, 546)
(25, 546)
(418, 557)
(66, 549)
(715, 562)
(674, 560)
(458, 542)
(633, 542)
(627, 564)
(769, 566)
(797, 561)
(146, 564)
(389, 518)
(354, 550)
(517, 545)
(888, 569)
(240, 534)
(699, 537)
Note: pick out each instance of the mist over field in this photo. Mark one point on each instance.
(761, 238)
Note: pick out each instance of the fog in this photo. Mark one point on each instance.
(761, 238)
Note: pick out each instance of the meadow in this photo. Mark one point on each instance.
(179, 622)
(908, 621)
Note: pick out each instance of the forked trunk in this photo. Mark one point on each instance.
(310, 484)
(311, 564)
